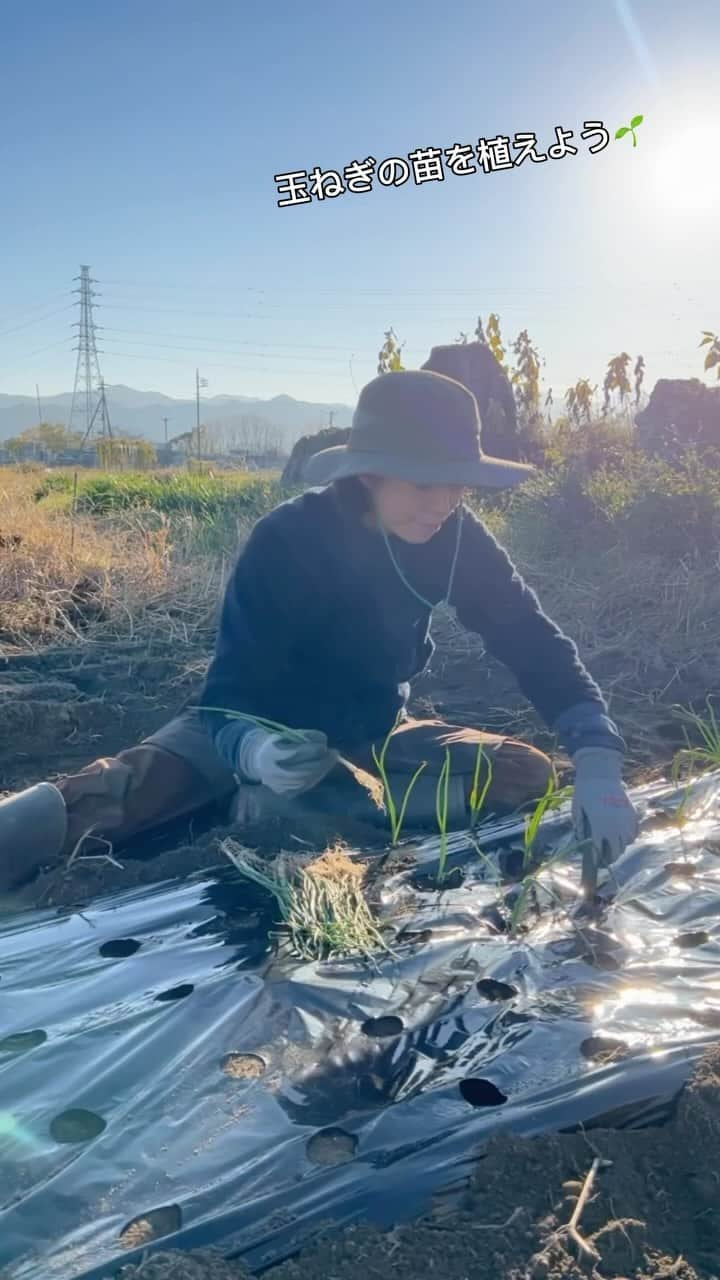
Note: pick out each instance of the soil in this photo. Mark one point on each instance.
(63, 707)
(653, 1212)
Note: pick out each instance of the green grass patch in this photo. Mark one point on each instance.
(705, 750)
(206, 498)
(204, 512)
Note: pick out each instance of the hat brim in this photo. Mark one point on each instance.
(342, 462)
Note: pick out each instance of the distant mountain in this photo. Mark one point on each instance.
(142, 412)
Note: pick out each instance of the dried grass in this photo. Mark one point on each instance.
(72, 576)
(648, 628)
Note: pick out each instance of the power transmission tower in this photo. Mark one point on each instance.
(89, 402)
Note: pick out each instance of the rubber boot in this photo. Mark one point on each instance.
(33, 829)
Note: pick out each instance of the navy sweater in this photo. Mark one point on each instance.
(317, 631)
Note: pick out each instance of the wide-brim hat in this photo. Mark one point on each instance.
(419, 426)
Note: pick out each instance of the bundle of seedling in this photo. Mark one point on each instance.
(323, 907)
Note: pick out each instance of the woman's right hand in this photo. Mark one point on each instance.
(286, 765)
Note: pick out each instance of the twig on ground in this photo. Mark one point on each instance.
(498, 1226)
(572, 1228)
(481, 1226)
(76, 856)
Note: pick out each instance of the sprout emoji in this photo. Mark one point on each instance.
(636, 120)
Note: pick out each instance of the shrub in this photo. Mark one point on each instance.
(54, 482)
(644, 505)
(602, 443)
(675, 513)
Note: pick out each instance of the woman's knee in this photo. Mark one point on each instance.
(521, 774)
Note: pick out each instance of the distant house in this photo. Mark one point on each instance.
(75, 458)
(271, 460)
(168, 456)
(48, 457)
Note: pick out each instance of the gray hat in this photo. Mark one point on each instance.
(418, 426)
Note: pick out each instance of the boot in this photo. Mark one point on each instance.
(33, 829)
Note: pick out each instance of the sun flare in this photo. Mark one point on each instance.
(686, 176)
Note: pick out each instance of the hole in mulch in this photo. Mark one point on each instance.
(602, 960)
(707, 1017)
(427, 883)
(76, 1125)
(482, 1093)
(603, 1049)
(419, 937)
(22, 1041)
(512, 863)
(372, 1089)
(697, 939)
(243, 1066)
(491, 989)
(176, 993)
(683, 870)
(118, 948)
(512, 1019)
(150, 1226)
(331, 1146)
(389, 1025)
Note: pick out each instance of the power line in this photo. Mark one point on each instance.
(194, 337)
(165, 346)
(307, 293)
(28, 323)
(44, 302)
(52, 346)
(296, 373)
(183, 311)
(482, 287)
(393, 303)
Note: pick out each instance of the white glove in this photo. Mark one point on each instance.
(601, 807)
(285, 765)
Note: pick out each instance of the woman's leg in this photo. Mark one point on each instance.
(174, 772)
(519, 774)
(519, 771)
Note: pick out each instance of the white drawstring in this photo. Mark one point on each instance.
(409, 585)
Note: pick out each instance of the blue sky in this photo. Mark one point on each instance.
(142, 138)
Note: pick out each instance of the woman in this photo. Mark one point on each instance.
(325, 621)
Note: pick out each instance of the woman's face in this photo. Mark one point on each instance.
(410, 511)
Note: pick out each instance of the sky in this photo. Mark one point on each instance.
(143, 139)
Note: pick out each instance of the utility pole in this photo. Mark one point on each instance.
(166, 420)
(37, 393)
(331, 415)
(199, 382)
